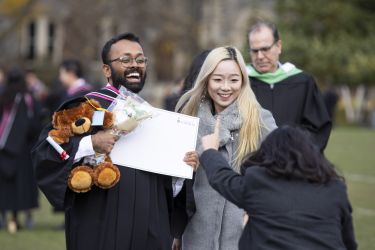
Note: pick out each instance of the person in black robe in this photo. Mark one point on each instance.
(19, 128)
(69, 85)
(290, 94)
(134, 214)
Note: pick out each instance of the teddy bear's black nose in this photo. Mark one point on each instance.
(80, 122)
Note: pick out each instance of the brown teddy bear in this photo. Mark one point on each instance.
(69, 122)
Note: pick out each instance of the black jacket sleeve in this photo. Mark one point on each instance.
(222, 178)
(315, 117)
(347, 229)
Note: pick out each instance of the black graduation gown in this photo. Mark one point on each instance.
(18, 189)
(132, 215)
(296, 100)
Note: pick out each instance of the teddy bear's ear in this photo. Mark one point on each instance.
(87, 110)
(56, 119)
(81, 125)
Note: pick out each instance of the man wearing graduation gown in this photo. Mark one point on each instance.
(289, 93)
(134, 214)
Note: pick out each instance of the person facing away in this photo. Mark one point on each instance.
(35, 86)
(71, 77)
(134, 214)
(19, 129)
(289, 93)
(221, 90)
(293, 195)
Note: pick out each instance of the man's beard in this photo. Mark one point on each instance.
(119, 79)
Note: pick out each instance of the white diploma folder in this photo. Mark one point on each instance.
(159, 144)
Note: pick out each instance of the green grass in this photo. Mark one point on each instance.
(352, 150)
(43, 236)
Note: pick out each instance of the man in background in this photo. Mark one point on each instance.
(288, 92)
(71, 77)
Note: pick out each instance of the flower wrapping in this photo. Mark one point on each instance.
(129, 110)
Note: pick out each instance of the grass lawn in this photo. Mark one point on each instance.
(43, 237)
(352, 150)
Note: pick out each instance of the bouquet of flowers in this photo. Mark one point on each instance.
(129, 110)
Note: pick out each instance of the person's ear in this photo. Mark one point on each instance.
(279, 45)
(107, 72)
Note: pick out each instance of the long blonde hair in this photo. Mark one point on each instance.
(248, 106)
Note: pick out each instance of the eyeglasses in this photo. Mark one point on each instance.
(128, 60)
(263, 49)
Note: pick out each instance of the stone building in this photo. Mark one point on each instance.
(40, 33)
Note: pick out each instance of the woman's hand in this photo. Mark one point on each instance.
(176, 245)
(192, 159)
(211, 141)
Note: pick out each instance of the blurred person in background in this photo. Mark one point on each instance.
(188, 82)
(19, 128)
(71, 77)
(289, 93)
(2, 79)
(35, 86)
(331, 99)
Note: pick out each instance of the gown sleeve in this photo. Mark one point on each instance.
(315, 116)
(183, 208)
(50, 170)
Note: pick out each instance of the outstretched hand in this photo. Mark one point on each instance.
(211, 141)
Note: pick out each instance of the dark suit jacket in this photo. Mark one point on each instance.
(284, 214)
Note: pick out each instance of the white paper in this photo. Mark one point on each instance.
(159, 144)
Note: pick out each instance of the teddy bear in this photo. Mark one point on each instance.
(77, 121)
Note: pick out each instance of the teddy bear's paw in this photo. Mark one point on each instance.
(81, 179)
(60, 136)
(106, 175)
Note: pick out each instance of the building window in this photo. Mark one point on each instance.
(31, 41)
(51, 39)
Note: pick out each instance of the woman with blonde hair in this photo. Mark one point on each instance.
(222, 89)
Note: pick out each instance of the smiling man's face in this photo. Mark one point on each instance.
(130, 75)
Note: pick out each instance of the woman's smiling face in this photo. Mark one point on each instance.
(224, 84)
